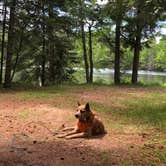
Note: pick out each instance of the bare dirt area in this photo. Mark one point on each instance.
(28, 138)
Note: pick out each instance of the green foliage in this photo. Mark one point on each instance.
(33, 26)
(153, 58)
(101, 53)
(160, 58)
(55, 25)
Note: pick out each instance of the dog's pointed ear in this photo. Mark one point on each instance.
(78, 103)
(87, 107)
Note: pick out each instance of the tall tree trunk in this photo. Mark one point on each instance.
(90, 56)
(43, 51)
(43, 62)
(7, 82)
(51, 61)
(84, 51)
(137, 45)
(3, 41)
(17, 54)
(136, 59)
(51, 50)
(117, 54)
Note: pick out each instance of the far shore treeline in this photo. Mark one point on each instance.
(45, 40)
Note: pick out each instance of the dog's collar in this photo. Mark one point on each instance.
(85, 121)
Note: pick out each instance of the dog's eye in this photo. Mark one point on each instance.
(81, 111)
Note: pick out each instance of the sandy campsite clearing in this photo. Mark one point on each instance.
(28, 129)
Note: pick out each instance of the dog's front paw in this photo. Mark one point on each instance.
(68, 137)
(61, 136)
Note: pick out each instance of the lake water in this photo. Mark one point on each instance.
(107, 75)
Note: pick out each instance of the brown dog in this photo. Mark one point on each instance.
(88, 124)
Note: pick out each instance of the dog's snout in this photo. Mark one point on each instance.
(76, 115)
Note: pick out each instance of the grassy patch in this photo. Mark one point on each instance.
(160, 155)
(156, 139)
(121, 106)
(24, 114)
(40, 94)
(128, 163)
(144, 113)
(105, 158)
(154, 156)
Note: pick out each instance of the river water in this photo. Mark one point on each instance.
(106, 76)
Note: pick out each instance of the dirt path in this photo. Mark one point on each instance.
(26, 138)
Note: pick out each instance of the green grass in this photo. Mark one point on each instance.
(160, 155)
(24, 114)
(105, 158)
(127, 105)
(154, 156)
(143, 113)
(124, 109)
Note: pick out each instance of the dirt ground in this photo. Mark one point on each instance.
(28, 138)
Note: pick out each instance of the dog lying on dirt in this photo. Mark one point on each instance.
(88, 124)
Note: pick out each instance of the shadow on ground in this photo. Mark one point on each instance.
(61, 153)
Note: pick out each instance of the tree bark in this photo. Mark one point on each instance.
(137, 47)
(43, 52)
(117, 54)
(90, 56)
(3, 41)
(136, 59)
(17, 55)
(84, 51)
(51, 50)
(7, 82)
(43, 63)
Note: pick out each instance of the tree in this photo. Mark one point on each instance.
(3, 39)
(51, 49)
(114, 15)
(7, 82)
(141, 21)
(84, 50)
(90, 54)
(42, 39)
(137, 41)
(92, 19)
(85, 14)
(81, 19)
(41, 35)
(160, 55)
(43, 70)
